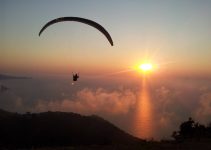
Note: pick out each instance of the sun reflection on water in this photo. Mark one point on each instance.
(143, 119)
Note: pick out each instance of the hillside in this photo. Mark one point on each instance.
(58, 129)
(70, 131)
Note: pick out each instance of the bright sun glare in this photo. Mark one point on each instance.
(145, 67)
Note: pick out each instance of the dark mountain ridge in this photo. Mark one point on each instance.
(58, 129)
(7, 77)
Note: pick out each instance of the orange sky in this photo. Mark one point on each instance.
(172, 35)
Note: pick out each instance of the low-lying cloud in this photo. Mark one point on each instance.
(89, 101)
(203, 112)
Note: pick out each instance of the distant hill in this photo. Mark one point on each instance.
(58, 129)
(6, 77)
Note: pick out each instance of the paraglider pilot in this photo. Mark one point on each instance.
(75, 77)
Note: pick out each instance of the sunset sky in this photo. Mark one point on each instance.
(151, 100)
(174, 35)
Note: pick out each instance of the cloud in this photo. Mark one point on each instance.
(203, 112)
(177, 101)
(89, 101)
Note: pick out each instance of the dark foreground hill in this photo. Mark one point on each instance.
(58, 129)
(70, 131)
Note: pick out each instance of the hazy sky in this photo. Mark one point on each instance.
(172, 33)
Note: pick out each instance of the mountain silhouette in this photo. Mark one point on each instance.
(7, 77)
(58, 129)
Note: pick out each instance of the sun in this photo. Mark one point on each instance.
(145, 67)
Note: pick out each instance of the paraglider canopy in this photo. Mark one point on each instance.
(82, 20)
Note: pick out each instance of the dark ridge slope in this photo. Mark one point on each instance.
(58, 129)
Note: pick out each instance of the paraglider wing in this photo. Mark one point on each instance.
(82, 20)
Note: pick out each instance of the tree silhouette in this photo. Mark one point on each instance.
(192, 130)
(187, 128)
